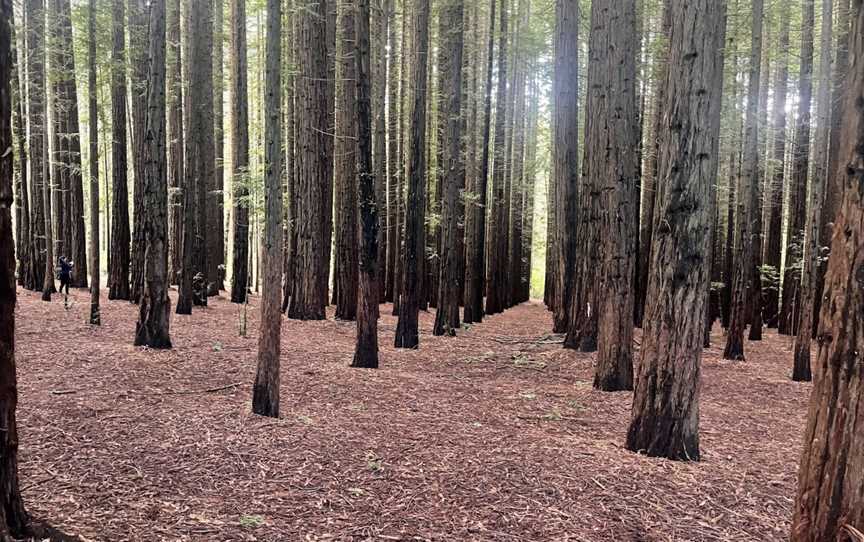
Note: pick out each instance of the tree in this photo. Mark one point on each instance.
(24, 246)
(393, 157)
(773, 236)
(828, 505)
(407, 334)
(791, 295)
(475, 225)
(380, 24)
(14, 517)
(565, 152)
(366, 348)
(450, 109)
(240, 153)
(748, 213)
(152, 329)
(265, 392)
(176, 215)
(610, 137)
(136, 14)
(198, 154)
(308, 288)
(95, 282)
(346, 262)
(496, 293)
(818, 181)
(118, 260)
(215, 221)
(665, 418)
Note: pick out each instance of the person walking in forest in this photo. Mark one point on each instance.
(65, 273)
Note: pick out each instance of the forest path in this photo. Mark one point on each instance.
(495, 434)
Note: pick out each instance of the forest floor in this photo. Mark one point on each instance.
(495, 434)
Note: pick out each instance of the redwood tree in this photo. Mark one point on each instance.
(830, 504)
(240, 153)
(13, 517)
(95, 282)
(265, 392)
(611, 135)
(407, 333)
(565, 151)
(366, 347)
(665, 417)
(453, 177)
(152, 329)
(118, 261)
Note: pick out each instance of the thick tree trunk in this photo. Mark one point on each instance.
(516, 171)
(138, 46)
(742, 286)
(832, 188)
(345, 276)
(790, 308)
(564, 183)
(818, 181)
(265, 392)
(152, 329)
(611, 135)
(829, 504)
(407, 334)
(239, 153)
(475, 229)
(665, 420)
(450, 68)
(23, 246)
(309, 262)
(366, 348)
(118, 260)
(13, 517)
(174, 76)
(773, 237)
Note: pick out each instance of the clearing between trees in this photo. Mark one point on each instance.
(495, 434)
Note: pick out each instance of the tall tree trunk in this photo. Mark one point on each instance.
(345, 277)
(393, 124)
(239, 153)
(565, 170)
(773, 237)
(379, 30)
(665, 419)
(138, 47)
(496, 295)
(308, 300)
(152, 329)
(743, 286)
(613, 127)
(517, 160)
(366, 348)
(475, 229)
(832, 188)
(199, 155)
(35, 39)
(649, 177)
(450, 67)
(790, 308)
(118, 260)
(290, 152)
(265, 392)
(818, 181)
(531, 167)
(13, 518)
(402, 152)
(407, 334)
(174, 76)
(95, 282)
(24, 246)
(216, 221)
(831, 473)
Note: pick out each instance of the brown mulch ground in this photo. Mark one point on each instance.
(493, 435)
